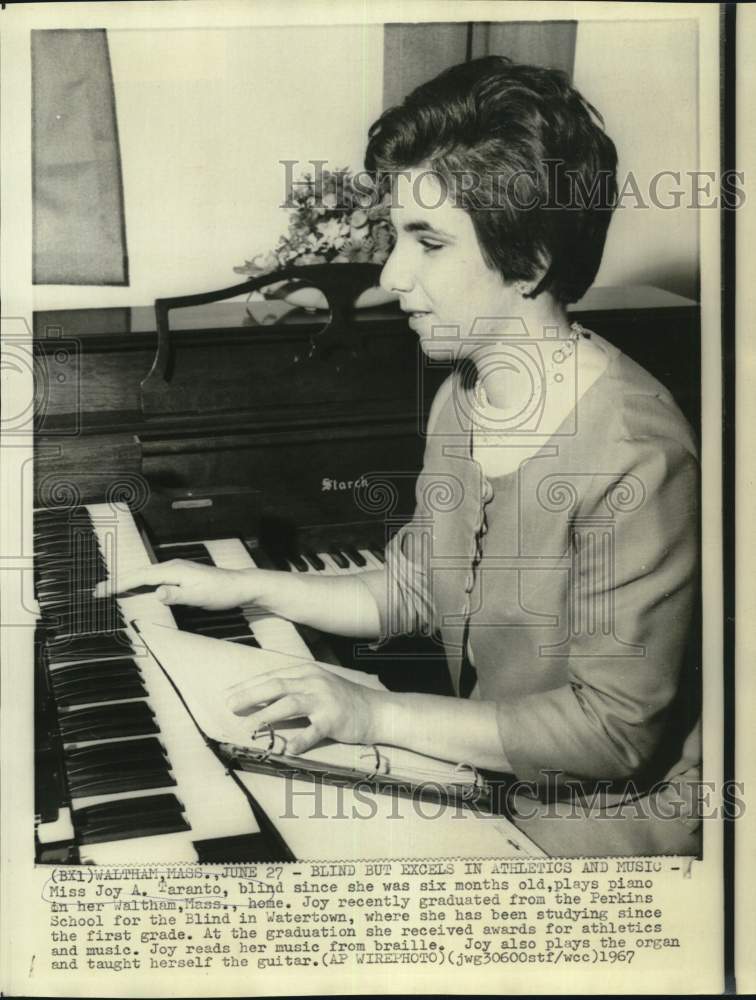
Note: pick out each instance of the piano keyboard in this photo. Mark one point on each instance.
(129, 776)
(263, 629)
(123, 774)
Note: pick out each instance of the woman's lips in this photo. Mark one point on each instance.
(417, 317)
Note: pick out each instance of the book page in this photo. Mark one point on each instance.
(203, 669)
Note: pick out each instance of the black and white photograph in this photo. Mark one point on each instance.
(366, 494)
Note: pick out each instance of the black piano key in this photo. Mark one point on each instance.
(107, 722)
(357, 557)
(65, 604)
(106, 640)
(237, 631)
(51, 534)
(103, 754)
(193, 551)
(88, 648)
(67, 590)
(315, 561)
(279, 561)
(298, 562)
(125, 667)
(49, 787)
(62, 634)
(378, 553)
(127, 763)
(143, 816)
(341, 560)
(122, 781)
(54, 553)
(60, 580)
(88, 693)
(71, 626)
(80, 771)
(136, 711)
(47, 514)
(187, 617)
(97, 616)
(127, 772)
(99, 729)
(61, 683)
(247, 640)
(102, 811)
(247, 847)
(73, 544)
(142, 826)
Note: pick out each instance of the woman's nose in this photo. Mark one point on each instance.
(395, 276)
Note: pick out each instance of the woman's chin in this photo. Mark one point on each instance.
(439, 350)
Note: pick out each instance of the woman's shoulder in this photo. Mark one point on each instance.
(637, 407)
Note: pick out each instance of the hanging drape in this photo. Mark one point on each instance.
(541, 43)
(413, 53)
(79, 235)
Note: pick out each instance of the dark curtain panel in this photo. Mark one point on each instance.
(79, 230)
(542, 43)
(414, 53)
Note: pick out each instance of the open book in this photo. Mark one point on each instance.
(202, 670)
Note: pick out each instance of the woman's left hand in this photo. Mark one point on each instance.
(336, 708)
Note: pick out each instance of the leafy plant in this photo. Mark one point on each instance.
(332, 219)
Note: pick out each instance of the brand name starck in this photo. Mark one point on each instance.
(341, 485)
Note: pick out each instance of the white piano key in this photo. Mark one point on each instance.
(59, 829)
(371, 561)
(273, 633)
(331, 568)
(162, 848)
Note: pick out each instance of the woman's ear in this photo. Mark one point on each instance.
(531, 288)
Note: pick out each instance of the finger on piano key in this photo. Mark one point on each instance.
(269, 631)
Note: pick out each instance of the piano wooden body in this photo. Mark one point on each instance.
(260, 439)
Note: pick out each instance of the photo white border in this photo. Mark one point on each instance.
(18, 909)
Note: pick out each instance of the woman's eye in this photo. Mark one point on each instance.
(430, 244)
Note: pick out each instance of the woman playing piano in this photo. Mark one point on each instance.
(554, 545)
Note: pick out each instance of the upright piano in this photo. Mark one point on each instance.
(240, 433)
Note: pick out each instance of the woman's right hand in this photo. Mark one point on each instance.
(182, 582)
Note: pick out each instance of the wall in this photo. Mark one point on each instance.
(642, 76)
(204, 117)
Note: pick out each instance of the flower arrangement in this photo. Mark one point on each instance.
(332, 220)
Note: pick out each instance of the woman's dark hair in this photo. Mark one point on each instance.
(524, 154)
